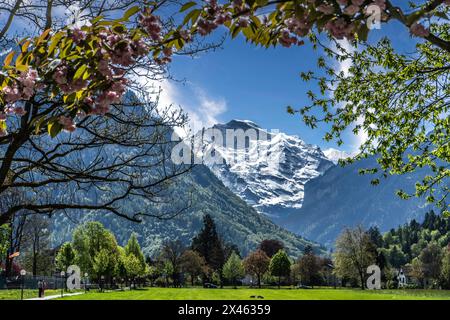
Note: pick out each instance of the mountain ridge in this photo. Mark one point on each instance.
(273, 184)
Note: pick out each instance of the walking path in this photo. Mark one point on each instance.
(56, 296)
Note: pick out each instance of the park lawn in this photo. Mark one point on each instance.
(268, 294)
(15, 294)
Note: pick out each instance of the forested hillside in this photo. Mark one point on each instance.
(236, 221)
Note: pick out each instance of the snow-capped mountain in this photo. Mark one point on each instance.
(335, 155)
(270, 169)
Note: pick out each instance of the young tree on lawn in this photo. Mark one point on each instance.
(88, 240)
(309, 268)
(104, 264)
(37, 232)
(271, 246)
(417, 272)
(133, 267)
(353, 254)
(445, 269)
(193, 264)
(280, 265)
(257, 264)
(431, 259)
(233, 269)
(172, 252)
(397, 100)
(4, 235)
(134, 248)
(65, 256)
(209, 245)
(16, 225)
(295, 273)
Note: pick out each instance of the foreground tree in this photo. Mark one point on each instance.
(280, 266)
(233, 269)
(353, 254)
(257, 264)
(78, 127)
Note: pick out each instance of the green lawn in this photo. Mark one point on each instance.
(27, 293)
(268, 294)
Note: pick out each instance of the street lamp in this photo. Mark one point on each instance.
(22, 274)
(102, 283)
(63, 274)
(85, 282)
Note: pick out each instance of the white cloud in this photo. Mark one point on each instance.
(203, 110)
(334, 154)
(344, 67)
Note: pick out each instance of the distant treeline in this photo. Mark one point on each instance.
(420, 251)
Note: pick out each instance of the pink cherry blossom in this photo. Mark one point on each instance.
(419, 30)
(20, 111)
(351, 10)
(67, 123)
(326, 8)
(12, 93)
(78, 35)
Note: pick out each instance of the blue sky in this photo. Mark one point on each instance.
(241, 81)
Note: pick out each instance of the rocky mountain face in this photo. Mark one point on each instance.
(342, 198)
(269, 172)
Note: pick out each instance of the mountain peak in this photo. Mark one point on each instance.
(238, 124)
(274, 183)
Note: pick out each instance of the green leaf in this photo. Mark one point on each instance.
(54, 128)
(9, 58)
(43, 36)
(80, 72)
(187, 6)
(54, 42)
(262, 3)
(26, 45)
(193, 15)
(131, 12)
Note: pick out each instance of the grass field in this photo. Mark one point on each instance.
(268, 294)
(27, 293)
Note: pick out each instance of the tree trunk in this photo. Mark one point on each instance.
(259, 281)
(279, 282)
(361, 275)
(34, 267)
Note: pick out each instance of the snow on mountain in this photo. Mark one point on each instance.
(270, 169)
(335, 155)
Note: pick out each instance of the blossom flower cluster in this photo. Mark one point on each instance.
(342, 18)
(103, 81)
